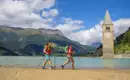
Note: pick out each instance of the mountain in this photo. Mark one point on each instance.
(96, 44)
(98, 51)
(31, 41)
(7, 52)
(51, 32)
(122, 42)
(90, 49)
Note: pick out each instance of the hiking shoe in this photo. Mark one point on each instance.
(62, 66)
(43, 67)
(49, 67)
(53, 67)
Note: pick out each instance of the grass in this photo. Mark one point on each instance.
(122, 48)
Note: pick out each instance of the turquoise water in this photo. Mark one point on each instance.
(80, 62)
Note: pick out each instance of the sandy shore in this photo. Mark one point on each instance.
(40, 74)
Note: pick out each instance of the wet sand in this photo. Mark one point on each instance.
(40, 74)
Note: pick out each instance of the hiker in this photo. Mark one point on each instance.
(69, 52)
(47, 51)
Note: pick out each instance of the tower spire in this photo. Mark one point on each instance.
(107, 19)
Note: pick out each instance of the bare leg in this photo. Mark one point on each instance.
(50, 62)
(72, 60)
(68, 61)
(44, 64)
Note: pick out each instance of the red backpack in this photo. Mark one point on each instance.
(48, 50)
(70, 49)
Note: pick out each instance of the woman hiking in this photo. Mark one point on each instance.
(69, 52)
(47, 50)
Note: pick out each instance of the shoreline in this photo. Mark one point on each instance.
(59, 68)
(115, 56)
(67, 74)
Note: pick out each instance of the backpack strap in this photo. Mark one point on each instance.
(66, 49)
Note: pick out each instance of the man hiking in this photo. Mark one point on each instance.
(47, 52)
(69, 52)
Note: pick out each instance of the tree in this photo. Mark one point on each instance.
(126, 38)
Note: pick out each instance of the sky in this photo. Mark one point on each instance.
(79, 20)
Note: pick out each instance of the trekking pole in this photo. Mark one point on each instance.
(40, 63)
(54, 62)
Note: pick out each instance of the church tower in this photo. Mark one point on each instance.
(108, 37)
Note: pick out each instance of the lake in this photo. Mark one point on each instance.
(80, 62)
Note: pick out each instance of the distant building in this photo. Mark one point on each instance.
(107, 37)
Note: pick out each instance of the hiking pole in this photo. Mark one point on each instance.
(40, 63)
(54, 62)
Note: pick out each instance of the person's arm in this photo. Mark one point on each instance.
(44, 49)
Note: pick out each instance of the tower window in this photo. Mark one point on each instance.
(108, 28)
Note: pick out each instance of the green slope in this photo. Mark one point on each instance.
(31, 41)
(123, 42)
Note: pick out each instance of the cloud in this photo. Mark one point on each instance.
(87, 37)
(45, 14)
(19, 13)
(40, 4)
(70, 21)
(121, 26)
(69, 26)
(52, 13)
